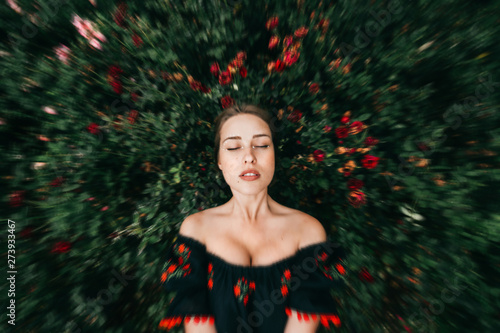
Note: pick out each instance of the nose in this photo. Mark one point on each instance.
(249, 155)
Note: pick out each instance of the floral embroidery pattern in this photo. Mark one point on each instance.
(170, 322)
(179, 266)
(285, 282)
(324, 318)
(242, 289)
(210, 276)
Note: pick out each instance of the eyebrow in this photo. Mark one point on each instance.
(239, 137)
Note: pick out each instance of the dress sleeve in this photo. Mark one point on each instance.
(319, 269)
(185, 272)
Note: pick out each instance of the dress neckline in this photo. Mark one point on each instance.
(258, 267)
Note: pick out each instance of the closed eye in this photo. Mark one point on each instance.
(266, 146)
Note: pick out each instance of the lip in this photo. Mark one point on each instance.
(250, 171)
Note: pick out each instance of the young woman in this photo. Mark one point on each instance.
(250, 265)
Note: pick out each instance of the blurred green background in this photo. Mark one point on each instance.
(386, 115)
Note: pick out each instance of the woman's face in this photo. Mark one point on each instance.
(245, 143)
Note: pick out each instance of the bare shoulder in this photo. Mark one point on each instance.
(192, 227)
(311, 230)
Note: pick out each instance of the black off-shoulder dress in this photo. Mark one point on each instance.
(251, 299)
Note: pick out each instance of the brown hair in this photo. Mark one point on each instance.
(234, 111)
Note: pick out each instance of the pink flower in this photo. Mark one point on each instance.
(99, 35)
(327, 129)
(49, 110)
(87, 30)
(62, 52)
(105, 208)
(13, 4)
(43, 138)
(95, 44)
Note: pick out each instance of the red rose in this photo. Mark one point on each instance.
(357, 198)
(204, 89)
(342, 132)
(242, 55)
(422, 146)
(61, 247)
(225, 77)
(319, 155)
(291, 57)
(132, 116)
(351, 151)
(354, 184)
(364, 275)
(280, 65)
(16, 198)
(215, 69)
(270, 67)
(56, 182)
(295, 116)
(114, 71)
(356, 127)
(93, 128)
(243, 72)
(137, 40)
(134, 97)
(226, 101)
(117, 86)
(344, 120)
(273, 42)
(370, 161)
(195, 85)
(272, 23)
(119, 16)
(301, 32)
(314, 88)
(236, 63)
(287, 41)
(371, 141)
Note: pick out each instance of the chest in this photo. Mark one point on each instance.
(257, 246)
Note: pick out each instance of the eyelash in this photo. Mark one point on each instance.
(265, 146)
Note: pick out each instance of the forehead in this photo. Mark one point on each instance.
(244, 125)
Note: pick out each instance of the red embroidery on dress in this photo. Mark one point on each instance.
(242, 289)
(177, 266)
(210, 276)
(324, 318)
(285, 282)
(169, 322)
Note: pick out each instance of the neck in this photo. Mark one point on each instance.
(250, 208)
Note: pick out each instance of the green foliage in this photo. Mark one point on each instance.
(112, 159)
